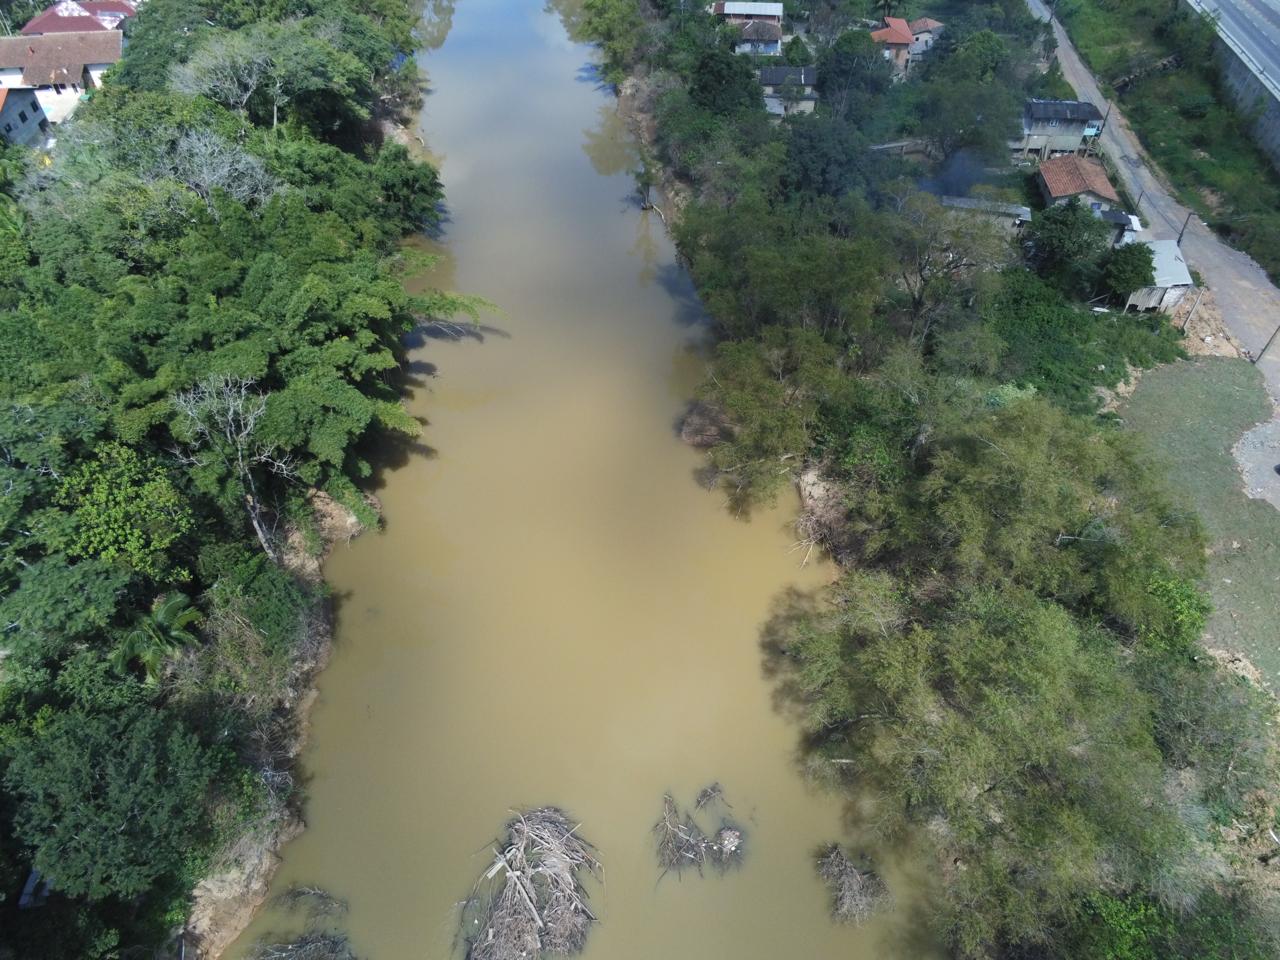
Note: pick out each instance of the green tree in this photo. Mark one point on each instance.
(109, 803)
(1128, 268)
(796, 52)
(126, 509)
(852, 70)
(724, 83)
(156, 634)
(1067, 246)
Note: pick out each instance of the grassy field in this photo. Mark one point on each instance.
(1183, 120)
(1190, 415)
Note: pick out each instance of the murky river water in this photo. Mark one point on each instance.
(556, 613)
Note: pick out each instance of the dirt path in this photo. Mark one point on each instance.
(1249, 303)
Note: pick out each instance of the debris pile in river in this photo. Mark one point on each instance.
(855, 894)
(320, 940)
(531, 901)
(682, 843)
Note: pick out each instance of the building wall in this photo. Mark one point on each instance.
(12, 125)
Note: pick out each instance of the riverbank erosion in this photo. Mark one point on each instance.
(225, 901)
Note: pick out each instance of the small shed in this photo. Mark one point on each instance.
(1013, 215)
(1172, 278)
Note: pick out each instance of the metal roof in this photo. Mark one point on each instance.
(780, 76)
(987, 206)
(1169, 266)
(737, 9)
(1062, 110)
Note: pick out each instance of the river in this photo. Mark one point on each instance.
(556, 612)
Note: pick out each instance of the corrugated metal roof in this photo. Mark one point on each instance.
(738, 9)
(780, 76)
(1169, 265)
(987, 206)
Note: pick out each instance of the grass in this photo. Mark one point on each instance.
(1184, 119)
(1190, 415)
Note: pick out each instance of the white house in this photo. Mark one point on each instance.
(60, 66)
(22, 119)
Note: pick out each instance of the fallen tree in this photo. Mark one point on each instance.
(531, 901)
(855, 894)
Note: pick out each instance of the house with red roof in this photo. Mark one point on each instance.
(79, 16)
(1082, 178)
(895, 36)
(60, 67)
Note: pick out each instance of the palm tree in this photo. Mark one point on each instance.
(887, 8)
(156, 635)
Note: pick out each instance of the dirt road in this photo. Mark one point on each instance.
(1249, 302)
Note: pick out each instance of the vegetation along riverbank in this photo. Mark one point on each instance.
(202, 311)
(1011, 664)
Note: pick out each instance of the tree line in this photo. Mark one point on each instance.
(1009, 670)
(202, 312)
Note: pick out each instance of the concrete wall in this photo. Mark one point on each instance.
(1254, 98)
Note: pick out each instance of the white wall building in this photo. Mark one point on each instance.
(60, 66)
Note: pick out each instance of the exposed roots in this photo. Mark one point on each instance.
(309, 946)
(855, 894)
(315, 901)
(531, 901)
(682, 843)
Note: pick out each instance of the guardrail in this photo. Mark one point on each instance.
(1257, 69)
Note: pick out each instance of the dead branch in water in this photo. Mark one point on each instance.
(316, 901)
(682, 843)
(855, 894)
(309, 946)
(531, 900)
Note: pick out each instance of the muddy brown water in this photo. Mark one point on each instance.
(556, 612)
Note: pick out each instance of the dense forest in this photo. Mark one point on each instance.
(202, 308)
(1009, 671)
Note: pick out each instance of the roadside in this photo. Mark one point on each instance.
(1249, 303)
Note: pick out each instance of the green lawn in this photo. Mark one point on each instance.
(1190, 415)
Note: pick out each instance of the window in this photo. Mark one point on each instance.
(1053, 123)
(59, 87)
(1096, 206)
(22, 115)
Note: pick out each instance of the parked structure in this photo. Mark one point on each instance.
(79, 16)
(1125, 225)
(788, 90)
(22, 119)
(60, 66)
(1172, 278)
(1083, 178)
(1051, 127)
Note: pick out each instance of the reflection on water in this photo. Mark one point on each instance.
(556, 612)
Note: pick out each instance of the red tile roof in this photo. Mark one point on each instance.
(78, 16)
(925, 24)
(895, 31)
(1071, 175)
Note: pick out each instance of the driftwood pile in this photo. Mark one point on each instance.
(321, 940)
(682, 843)
(531, 901)
(855, 894)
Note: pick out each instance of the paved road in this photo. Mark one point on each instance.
(1254, 26)
(1250, 304)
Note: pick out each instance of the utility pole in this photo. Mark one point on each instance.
(1190, 214)
(1137, 207)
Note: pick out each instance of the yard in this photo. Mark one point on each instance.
(1190, 415)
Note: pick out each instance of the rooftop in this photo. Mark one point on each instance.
(761, 30)
(987, 206)
(781, 76)
(1169, 266)
(925, 25)
(734, 8)
(894, 31)
(1070, 175)
(1061, 110)
(84, 16)
(58, 57)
